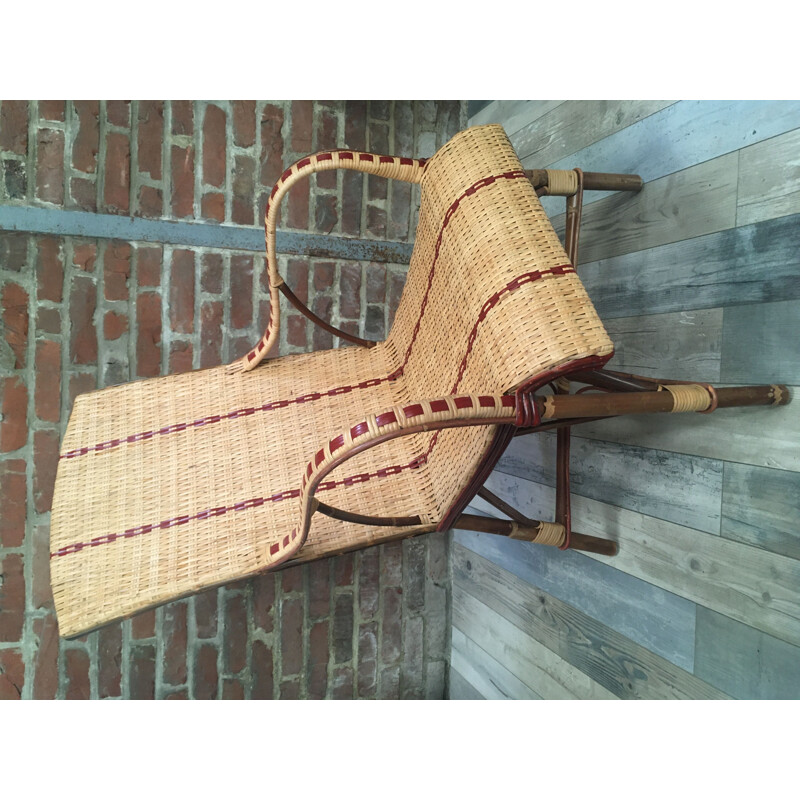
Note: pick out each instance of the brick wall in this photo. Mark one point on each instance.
(80, 314)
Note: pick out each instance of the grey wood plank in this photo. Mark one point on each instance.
(763, 436)
(743, 662)
(752, 264)
(658, 620)
(490, 677)
(761, 507)
(754, 586)
(511, 653)
(575, 124)
(460, 688)
(693, 202)
(691, 132)
(683, 345)
(760, 343)
(513, 114)
(769, 179)
(625, 668)
(681, 488)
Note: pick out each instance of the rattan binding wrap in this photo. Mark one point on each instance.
(171, 485)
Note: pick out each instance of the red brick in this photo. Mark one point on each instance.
(292, 579)
(143, 625)
(183, 181)
(45, 461)
(14, 301)
(297, 278)
(378, 143)
(87, 139)
(143, 672)
(13, 421)
(367, 660)
(181, 357)
(214, 146)
(119, 112)
(350, 291)
(181, 694)
(205, 614)
(323, 275)
(325, 215)
(109, 660)
(397, 282)
(343, 628)
(235, 634)
(12, 674)
(182, 117)
(342, 683)
(241, 291)
(148, 343)
(317, 672)
(296, 330)
(48, 320)
(368, 588)
(232, 689)
(211, 334)
(376, 283)
(290, 690)
(206, 676)
(264, 602)
(84, 256)
(298, 206)
(181, 294)
(52, 110)
(352, 192)
(292, 636)
(355, 125)
(392, 564)
(47, 398)
(376, 221)
(398, 224)
(263, 687)
(80, 383)
(84, 194)
(392, 640)
(302, 126)
(151, 202)
(351, 327)
(50, 166)
(319, 589)
(117, 270)
(389, 683)
(240, 346)
(212, 206)
(174, 632)
(77, 670)
(148, 266)
(114, 325)
(14, 250)
(343, 569)
(50, 269)
(244, 123)
(45, 681)
(151, 133)
(116, 195)
(14, 126)
(211, 273)
(271, 145)
(243, 190)
(327, 139)
(13, 489)
(12, 598)
(42, 591)
(320, 338)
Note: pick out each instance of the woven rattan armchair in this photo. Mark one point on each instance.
(172, 485)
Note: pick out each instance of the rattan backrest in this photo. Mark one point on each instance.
(491, 299)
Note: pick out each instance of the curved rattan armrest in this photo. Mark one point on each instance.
(394, 167)
(427, 415)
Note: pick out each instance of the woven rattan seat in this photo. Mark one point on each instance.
(171, 485)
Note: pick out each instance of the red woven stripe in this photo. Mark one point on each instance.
(325, 157)
(439, 405)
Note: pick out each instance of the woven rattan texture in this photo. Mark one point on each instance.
(171, 485)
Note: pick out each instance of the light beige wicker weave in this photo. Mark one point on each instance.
(171, 485)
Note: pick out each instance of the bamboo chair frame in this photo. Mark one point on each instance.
(497, 415)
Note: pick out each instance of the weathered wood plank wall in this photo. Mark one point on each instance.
(697, 278)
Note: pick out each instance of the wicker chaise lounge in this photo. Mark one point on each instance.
(171, 485)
